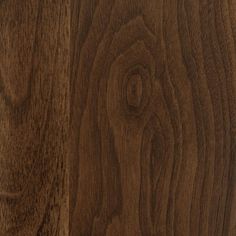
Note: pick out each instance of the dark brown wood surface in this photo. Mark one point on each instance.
(153, 98)
(34, 111)
(117, 118)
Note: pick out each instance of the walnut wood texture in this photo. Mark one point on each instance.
(153, 118)
(133, 102)
(34, 110)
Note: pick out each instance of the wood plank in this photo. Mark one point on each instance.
(153, 118)
(34, 111)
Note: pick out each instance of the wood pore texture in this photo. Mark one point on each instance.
(34, 110)
(117, 118)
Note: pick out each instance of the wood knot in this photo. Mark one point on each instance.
(134, 90)
(130, 85)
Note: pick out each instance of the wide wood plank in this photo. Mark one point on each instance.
(153, 118)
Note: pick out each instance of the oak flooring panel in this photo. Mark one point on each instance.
(34, 117)
(153, 118)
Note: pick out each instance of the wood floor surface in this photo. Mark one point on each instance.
(117, 118)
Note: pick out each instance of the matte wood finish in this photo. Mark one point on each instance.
(131, 101)
(153, 112)
(34, 111)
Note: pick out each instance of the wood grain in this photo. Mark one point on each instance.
(153, 118)
(34, 112)
(117, 118)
